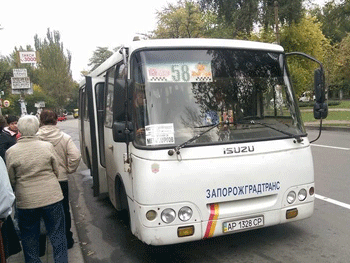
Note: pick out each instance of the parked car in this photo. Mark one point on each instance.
(306, 96)
(62, 118)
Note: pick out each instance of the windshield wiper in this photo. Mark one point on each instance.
(212, 126)
(296, 137)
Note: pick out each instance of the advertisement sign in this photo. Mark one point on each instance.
(20, 83)
(27, 57)
(20, 72)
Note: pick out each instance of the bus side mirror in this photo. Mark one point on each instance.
(121, 132)
(320, 107)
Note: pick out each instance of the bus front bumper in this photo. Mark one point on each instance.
(167, 234)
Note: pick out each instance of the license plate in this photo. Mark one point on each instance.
(243, 224)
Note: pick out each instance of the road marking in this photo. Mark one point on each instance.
(332, 201)
(332, 147)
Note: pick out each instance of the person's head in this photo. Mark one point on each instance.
(28, 125)
(12, 123)
(48, 117)
(3, 122)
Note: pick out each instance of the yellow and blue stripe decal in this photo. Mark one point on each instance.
(214, 214)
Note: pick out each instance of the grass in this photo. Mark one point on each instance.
(344, 104)
(332, 115)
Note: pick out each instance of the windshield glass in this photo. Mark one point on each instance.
(179, 94)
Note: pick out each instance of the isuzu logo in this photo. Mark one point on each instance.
(242, 149)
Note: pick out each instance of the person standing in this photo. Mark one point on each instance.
(7, 197)
(9, 241)
(8, 136)
(33, 171)
(68, 157)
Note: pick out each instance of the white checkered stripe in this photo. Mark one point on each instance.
(204, 79)
(158, 79)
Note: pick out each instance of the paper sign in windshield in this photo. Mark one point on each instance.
(160, 134)
(185, 72)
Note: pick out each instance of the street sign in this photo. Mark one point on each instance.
(6, 103)
(23, 91)
(20, 83)
(20, 72)
(27, 57)
(40, 104)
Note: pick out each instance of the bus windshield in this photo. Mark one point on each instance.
(180, 93)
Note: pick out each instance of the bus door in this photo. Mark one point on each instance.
(115, 111)
(93, 89)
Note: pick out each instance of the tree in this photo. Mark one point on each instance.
(288, 12)
(7, 64)
(38, 95)
(244, 15)
(183, 20)
(240, 15)
(54, 73)
(335, 19)
(340, 77)
(100, 55)
(305, 36)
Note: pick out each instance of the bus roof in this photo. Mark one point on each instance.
(185, 43)
(203, 42)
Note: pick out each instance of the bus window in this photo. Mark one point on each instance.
(109, 98)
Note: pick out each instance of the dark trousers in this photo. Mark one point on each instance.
(29, 225)
(69, 234)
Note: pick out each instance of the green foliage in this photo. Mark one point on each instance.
(7, 64)
(335, 19)
(183, 20)
(288, 12)
(305, 36)
(38, 95)
(310, 104)
(238, 15)
(340, 76)
(53, 72)
(242, 16)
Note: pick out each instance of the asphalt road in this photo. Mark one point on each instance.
(325, 237)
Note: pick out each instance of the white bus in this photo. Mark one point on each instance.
(198, 138)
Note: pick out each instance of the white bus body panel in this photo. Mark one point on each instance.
(203, 174)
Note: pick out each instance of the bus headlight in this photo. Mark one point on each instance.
(185, 213)
(302, 195)
(291, 197)
(151, 215)
(168, 215)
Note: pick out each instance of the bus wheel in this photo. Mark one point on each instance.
(88, 159)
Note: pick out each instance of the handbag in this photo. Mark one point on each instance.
(10, 239)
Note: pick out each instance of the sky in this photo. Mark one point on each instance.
(83, 25)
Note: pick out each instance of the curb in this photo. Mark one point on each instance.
(75, 254)
(328, 128)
